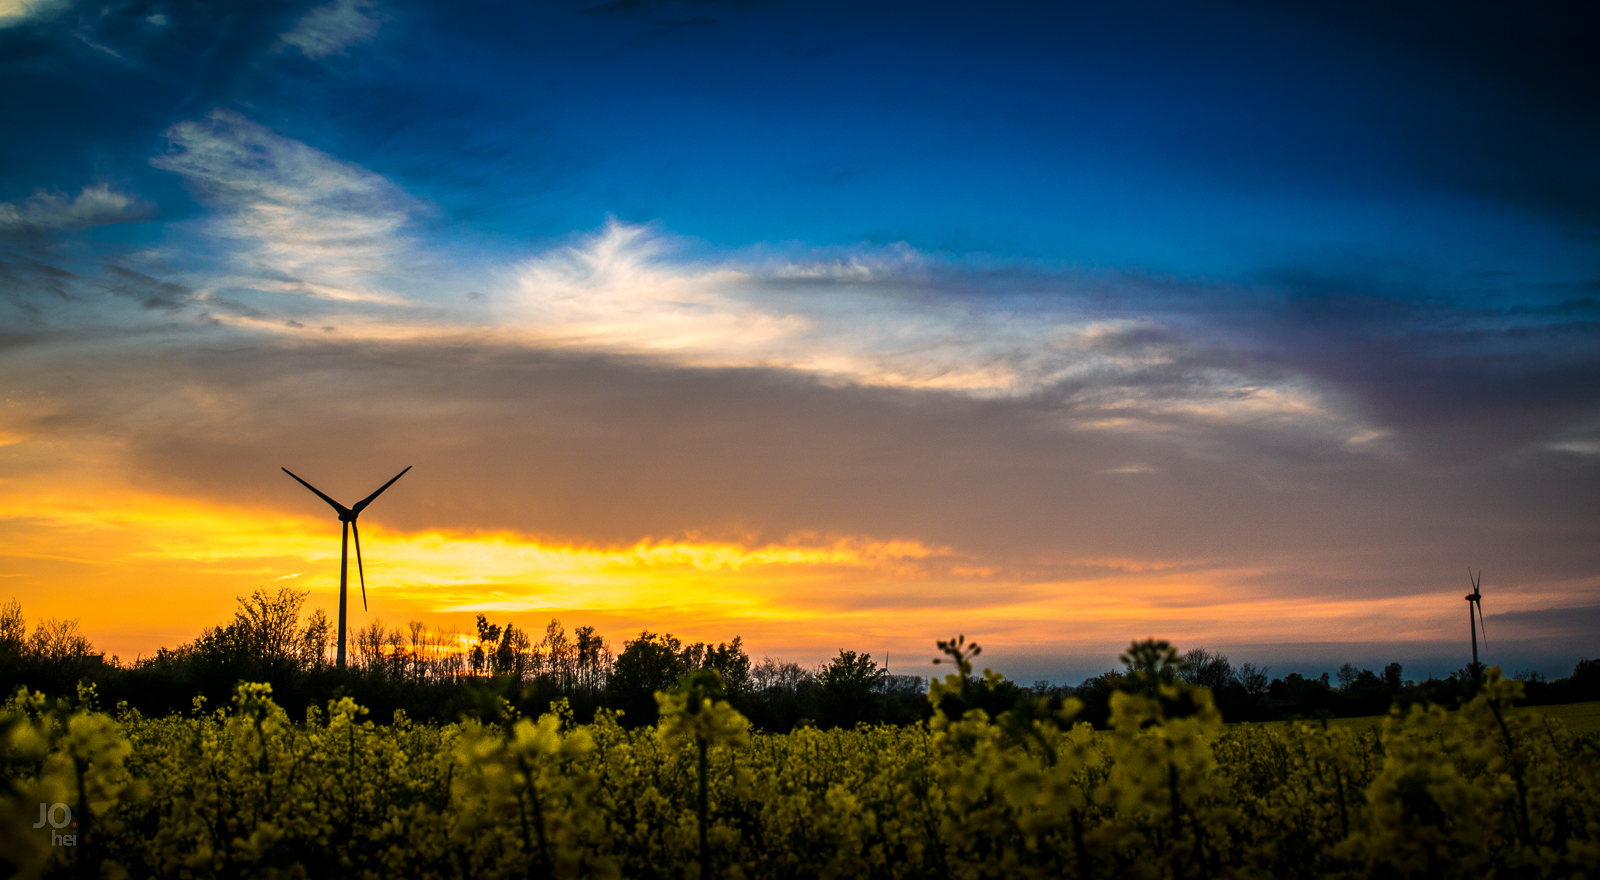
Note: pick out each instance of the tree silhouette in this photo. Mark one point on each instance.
(647, 664)
(847, 689)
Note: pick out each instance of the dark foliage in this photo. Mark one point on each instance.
(445, 676)
(847, 690)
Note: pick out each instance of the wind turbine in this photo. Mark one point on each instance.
(347, 515)
(1475, 598)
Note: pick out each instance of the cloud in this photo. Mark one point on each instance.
(1580, 621)
(15, 12)
(890, 317)
(614, 449)
(1354, 362)
(49, 211)
(1230, 531)
(1357, 361)
(886, 317)
(300, 221)
(1585, 446)
(1456, 371)
(150, 292)
(328, 29)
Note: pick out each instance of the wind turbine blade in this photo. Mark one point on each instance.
(357, 532)
(336, 505)
(1482, 627)
(362, 504)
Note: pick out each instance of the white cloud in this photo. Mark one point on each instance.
(876, 318)
(300, 220)
(328, 29)
(867, 320)
(856, 320)
(616, 293)
(93, 206)
(1579, 446)
(14, 12)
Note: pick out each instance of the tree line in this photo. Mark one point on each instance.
(1248, 692)
(444, 674)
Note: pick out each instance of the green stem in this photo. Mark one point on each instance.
(1344, 817)
(1177, 812)
(538, 819)
(1524, 823)
(88, 862)
(705, 867)
(1077, 840)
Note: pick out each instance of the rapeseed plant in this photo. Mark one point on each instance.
(1167, 791)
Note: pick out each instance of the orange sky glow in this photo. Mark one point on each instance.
(142, 570)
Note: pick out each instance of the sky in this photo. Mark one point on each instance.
(1248, 326)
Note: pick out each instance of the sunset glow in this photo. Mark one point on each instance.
(825, 327)
(96, 551)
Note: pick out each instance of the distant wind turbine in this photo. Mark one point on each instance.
(347, 515)
(1475, 599)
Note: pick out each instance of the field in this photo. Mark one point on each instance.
(1580, 718)
(1168, 791)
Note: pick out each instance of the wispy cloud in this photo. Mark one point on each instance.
(329, 29)
(1581, 446)
(298, 220)
(889, 317)
(302, 222)
(870, 318)
(49, 211)
(1112, 352)
(153, 293)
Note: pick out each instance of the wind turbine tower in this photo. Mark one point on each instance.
(347, 515)
(1475, 600)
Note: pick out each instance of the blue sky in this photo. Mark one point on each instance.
(1325, 264)
(1219, 142)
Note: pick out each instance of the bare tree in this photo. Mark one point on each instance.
(449, 658)
(915, 685)
(778, 676)
(1208, 669)
(58, 641)
(592, 659)
(1348, 674)
(516, 654)
(369, 647)
(315, 640)
(1254, 679)
(13, 629)
(419, 657)
(396, 641)
(558, 653)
